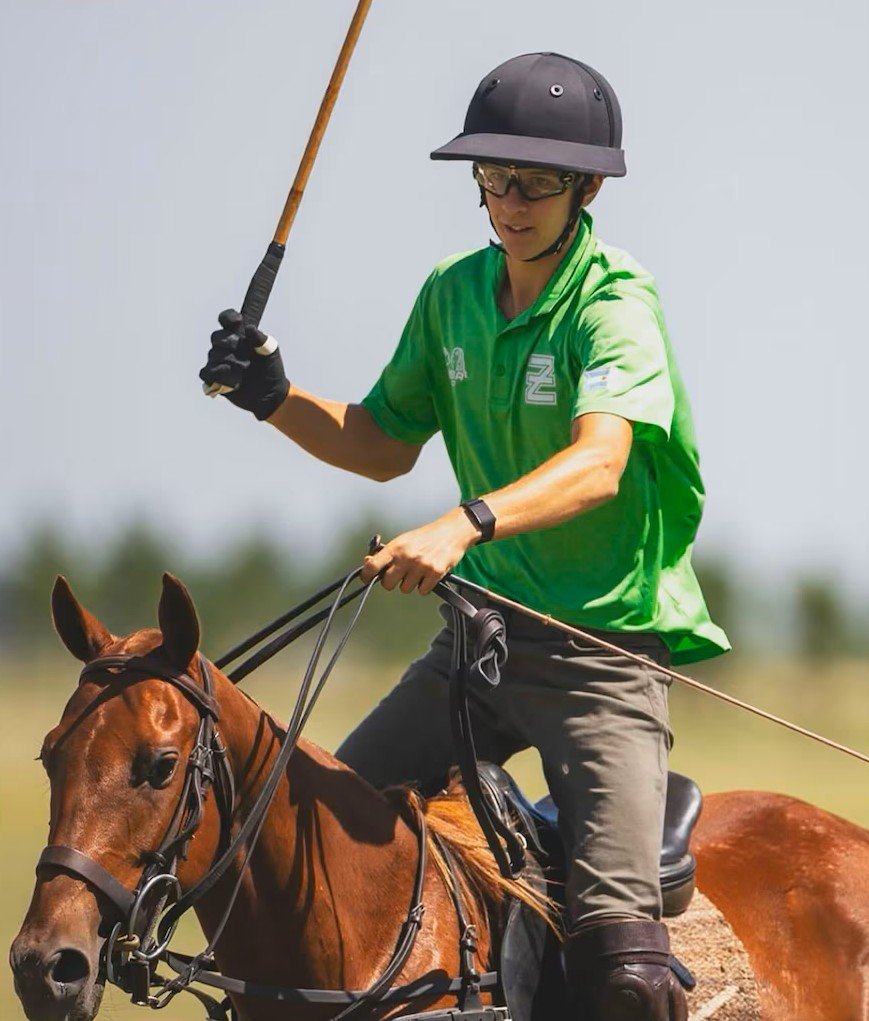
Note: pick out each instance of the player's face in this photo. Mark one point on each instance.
(528, 227)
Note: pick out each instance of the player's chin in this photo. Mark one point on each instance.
(519, 243)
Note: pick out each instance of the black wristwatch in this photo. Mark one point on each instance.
(478, 511)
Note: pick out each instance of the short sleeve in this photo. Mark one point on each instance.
(400, 402)
(624, 364)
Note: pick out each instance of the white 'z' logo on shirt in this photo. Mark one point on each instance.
(540, 380)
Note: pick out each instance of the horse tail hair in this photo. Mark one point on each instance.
(450, 817)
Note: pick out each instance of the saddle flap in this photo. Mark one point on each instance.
(522, 951)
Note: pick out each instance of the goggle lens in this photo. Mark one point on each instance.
(533, 184)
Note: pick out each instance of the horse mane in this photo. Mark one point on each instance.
(484, 890)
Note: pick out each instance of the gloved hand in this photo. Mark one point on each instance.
(244, 364)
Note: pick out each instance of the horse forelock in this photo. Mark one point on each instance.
(140, 643)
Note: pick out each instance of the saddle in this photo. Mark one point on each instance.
(538, 825)
(530, 965)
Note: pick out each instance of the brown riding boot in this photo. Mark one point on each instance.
(620, 971)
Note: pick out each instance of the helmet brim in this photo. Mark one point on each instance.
(535, 152)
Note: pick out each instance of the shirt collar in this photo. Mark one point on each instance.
(564, 280)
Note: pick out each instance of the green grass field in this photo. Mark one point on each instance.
(721, 747)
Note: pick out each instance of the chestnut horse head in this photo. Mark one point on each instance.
(116, 766)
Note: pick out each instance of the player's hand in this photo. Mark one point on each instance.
(417, 560)
(245, 366)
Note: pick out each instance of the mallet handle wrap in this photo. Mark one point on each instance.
(261, 284)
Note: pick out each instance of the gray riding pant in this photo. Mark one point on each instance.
(600, 723)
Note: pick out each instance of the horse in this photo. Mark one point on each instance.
(326, 889)
(324, 895)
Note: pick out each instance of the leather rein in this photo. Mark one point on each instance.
(144, 927)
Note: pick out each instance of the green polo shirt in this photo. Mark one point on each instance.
(504, 395)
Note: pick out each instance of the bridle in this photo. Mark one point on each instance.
(143, 926)
(135, 910)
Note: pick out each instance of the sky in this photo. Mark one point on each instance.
(146, 149)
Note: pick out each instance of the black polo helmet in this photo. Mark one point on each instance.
(546, 110)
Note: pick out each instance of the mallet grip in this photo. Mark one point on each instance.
(255, 301)
(261, 284)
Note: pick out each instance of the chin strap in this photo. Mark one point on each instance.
(561, 240)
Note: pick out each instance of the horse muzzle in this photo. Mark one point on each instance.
(55, 979)
(56, 967)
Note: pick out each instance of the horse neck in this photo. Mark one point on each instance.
(332, 871)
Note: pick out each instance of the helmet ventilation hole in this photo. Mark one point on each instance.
(556, 90)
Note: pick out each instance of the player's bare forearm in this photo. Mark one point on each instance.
(343, 435)
(571, 482)
(584, 475)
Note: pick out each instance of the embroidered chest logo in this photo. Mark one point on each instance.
(540, 380)
(455, 364)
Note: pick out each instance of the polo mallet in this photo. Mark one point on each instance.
(263, 280)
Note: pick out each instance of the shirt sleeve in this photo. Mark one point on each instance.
(624, 364)
(400, 402)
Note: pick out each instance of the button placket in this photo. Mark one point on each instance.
(500, 382)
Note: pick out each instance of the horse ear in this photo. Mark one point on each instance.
(178, 622)
(80, 631)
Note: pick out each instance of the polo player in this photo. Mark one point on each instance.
(544, 363)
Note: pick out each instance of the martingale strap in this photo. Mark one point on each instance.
(422, 988)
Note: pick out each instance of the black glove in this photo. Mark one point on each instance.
(245, 366)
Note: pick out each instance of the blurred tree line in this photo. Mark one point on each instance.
(249, 581)
(237, 587)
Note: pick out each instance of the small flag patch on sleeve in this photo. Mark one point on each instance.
(594, 381)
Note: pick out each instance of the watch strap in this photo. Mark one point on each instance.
(479, 513)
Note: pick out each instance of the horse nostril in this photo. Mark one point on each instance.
(68, 968)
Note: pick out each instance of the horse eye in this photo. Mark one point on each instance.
(161, 769)
(164, 769)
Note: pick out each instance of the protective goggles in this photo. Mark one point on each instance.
(533, 183)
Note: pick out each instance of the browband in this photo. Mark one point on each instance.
(149, 666)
